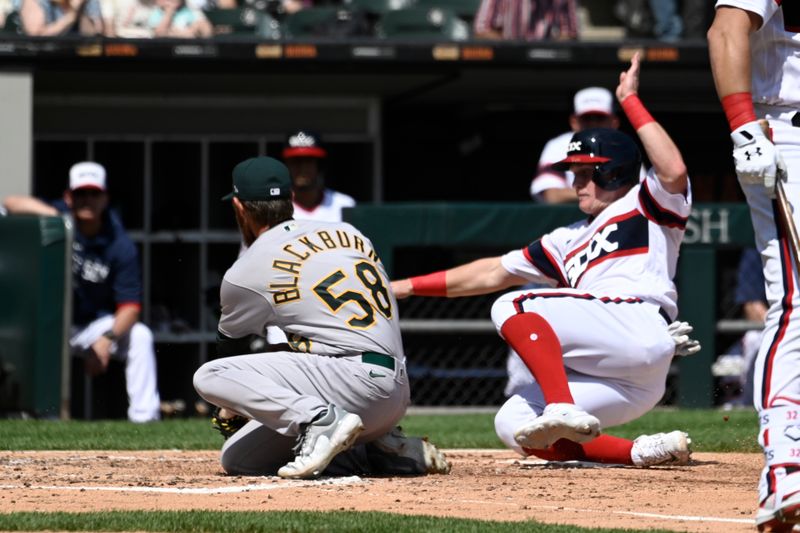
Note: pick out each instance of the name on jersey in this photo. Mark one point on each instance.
(621, 236)
(87, 268)
(301, 249)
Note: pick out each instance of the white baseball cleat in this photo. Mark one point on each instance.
(321, 441)
(395, 453)
(781, 519)
(558, 421)
(662, 449)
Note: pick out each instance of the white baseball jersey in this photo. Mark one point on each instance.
(555, 150)
(329, 210)
(321, 283)
(614, 277)
(629, 250)
(775, 50)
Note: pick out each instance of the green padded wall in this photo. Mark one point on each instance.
(33, 318)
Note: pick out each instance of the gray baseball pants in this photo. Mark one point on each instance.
(282, 391)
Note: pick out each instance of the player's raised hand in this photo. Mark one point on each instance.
(629, 79)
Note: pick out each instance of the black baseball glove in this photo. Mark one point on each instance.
(227, 426)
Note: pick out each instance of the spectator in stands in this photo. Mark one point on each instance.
(528, 20)
(154, 18)
(43, 18)
(127, 18)
(667, 23)
(276, 8)
(304, 155)
(173, 18)
(106, 287)
(593, 108)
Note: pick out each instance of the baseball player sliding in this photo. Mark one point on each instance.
(341, 378)
(755, 57)
(597, 342)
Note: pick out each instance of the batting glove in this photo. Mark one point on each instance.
(757, 160)
(684, 345)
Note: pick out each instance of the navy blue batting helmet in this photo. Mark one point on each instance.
(616, 157)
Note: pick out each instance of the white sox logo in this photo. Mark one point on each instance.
(89, 269)
(574, 146)
(598, 245)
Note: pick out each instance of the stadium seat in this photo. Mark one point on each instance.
(465, 9)
(244, 22)
(378, 7)
(420, 23)
(13, 24)
(327, 21)
(597, 21)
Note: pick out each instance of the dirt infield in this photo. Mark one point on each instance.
(716, 493)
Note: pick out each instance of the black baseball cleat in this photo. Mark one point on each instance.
(227, 426)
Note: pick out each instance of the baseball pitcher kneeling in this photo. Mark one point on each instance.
(341, 378)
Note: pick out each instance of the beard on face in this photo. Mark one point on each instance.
(248, 235)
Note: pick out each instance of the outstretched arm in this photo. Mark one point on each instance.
(483, 276)
(661, 150)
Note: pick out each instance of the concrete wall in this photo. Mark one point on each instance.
(16, 132)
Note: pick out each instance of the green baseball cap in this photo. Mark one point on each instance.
(260, 178)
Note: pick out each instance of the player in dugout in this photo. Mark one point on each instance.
(106, 287)
(599, 342)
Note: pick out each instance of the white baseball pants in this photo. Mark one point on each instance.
(777, 367)
(136, 350)
(617, 355)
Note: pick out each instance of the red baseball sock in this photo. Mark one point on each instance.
(603, 449)
(537, 344)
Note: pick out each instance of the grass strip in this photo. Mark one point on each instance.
(710, 430)
(272, 521)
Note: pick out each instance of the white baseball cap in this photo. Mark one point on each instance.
(87, 175)
(594, 100)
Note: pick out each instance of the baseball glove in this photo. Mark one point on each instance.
(227, 426)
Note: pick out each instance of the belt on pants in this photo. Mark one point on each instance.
(796, 120)
(375, 358)
(664, 315)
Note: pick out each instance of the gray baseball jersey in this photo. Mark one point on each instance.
(320, 282)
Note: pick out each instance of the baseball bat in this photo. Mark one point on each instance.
(785, 209)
